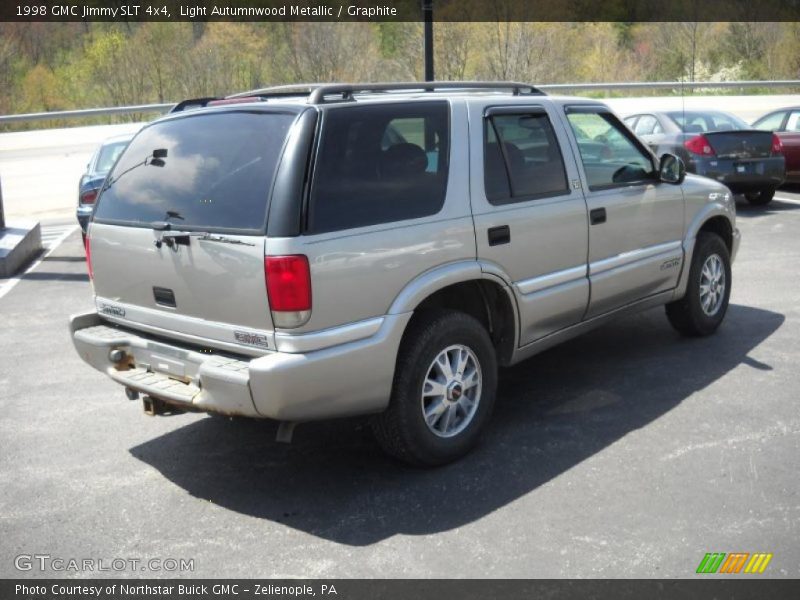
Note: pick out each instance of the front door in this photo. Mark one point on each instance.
(635, 221)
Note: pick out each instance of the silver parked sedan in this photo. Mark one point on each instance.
(718, 145)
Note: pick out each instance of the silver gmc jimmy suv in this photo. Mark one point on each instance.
(311, 252)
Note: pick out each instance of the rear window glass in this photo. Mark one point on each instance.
(204, 172)
(700, 122)
(380, 164)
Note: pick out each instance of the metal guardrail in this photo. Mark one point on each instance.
(553, 87)
(88, 112)
(676, 85)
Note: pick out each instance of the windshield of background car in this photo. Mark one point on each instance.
(701, 122)
(108, 156)
(201, 172)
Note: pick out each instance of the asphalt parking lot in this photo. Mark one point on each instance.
(629, 452)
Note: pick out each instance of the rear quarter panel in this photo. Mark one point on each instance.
(356, 274)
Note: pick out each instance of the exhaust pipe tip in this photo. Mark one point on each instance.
(131, 393)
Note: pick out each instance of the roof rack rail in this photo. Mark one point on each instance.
(317, 92)
(277, 91)
(347, 91)
(191, 103)
(202, 102)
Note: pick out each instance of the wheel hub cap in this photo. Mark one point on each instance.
(454, 391)
(712, 285)
(451, 391)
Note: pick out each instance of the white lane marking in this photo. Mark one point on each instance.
(52, 235)
(51, 245)
(789, 200)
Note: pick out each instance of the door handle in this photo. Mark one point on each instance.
(597, 215)
(499, 235)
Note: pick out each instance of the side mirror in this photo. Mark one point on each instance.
(671, 169)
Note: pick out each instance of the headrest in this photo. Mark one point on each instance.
(402, 160)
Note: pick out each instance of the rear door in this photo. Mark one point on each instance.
(387, 202)
(177, 242)
(635, 221)
(529, 212)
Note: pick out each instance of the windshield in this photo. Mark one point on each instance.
(701, 122)
(206, 171)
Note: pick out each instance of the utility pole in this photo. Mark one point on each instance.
(427, 11)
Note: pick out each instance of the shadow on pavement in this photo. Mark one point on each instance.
(50, 276)
(64, 259)
(745, 210)
(554, 411)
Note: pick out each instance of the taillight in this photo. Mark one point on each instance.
(699, 145)
(89, 196)
(777, 146)
(288, 289)
(88, 245)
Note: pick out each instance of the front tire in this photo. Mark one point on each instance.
(760, 197)
(705, 303)
(443, 391)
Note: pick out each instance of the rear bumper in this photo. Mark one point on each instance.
(349, 379)
(742, 175)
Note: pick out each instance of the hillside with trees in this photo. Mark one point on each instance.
(59, 66)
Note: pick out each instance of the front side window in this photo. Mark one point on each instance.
(379, 164)
(522, 159)
(610, 158)
(793, 124)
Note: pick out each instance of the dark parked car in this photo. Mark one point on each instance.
(718, 145)
(785, 123)
(96, 170)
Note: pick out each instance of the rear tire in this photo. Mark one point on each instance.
(434, 418)
(760, 197)
(705, 303)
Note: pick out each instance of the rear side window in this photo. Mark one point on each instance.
(108, 156)
(647, 125)
(204, 172)
(522, 159)
(379, 164)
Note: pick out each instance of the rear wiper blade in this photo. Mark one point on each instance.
(171, 238)
(207, 237)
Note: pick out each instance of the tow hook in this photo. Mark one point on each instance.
(155, 407)
(285, 432)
